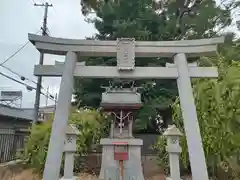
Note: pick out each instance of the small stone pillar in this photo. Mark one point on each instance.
(70, 148)
(174, 150)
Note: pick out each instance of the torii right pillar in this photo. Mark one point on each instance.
(189, 113)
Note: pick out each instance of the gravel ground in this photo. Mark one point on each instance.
(29, 174)
(85, 176)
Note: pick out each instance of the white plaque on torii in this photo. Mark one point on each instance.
(125, 53)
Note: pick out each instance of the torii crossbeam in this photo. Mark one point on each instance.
(125, 50)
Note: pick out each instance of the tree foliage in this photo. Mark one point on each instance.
(91, 124)
(142, 20)
(218, 109)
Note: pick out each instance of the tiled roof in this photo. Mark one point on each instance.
(15, 112)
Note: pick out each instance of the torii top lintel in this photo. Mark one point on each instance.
(60, 46)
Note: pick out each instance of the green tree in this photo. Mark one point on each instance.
(218, 108)
(141, 19)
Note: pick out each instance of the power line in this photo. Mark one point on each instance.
(39, 86)
(13, 79)
(23, 78)
(30, 88)
(16, 52)
(33, 1)
(54, 9)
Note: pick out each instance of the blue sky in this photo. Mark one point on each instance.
(18, 18)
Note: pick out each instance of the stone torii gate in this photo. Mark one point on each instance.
(126, 50)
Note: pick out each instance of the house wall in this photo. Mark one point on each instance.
(12, 136)
(9, 124)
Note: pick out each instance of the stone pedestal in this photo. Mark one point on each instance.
(132, 168)
(68, 167)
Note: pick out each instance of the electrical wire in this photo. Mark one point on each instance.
(10, 57)
(26, 85)
(30, 88)
(53, 6)
(13, 79)
(33, 1)
(23, 78)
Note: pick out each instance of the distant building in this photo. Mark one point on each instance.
(44, 112)
(15, 123)
(11, 98)
(14, 119)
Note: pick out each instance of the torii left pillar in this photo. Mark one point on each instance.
(60, 122)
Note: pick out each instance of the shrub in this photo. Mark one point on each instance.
(218, 110)
(91, 123)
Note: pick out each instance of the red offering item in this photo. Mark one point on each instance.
(121, 156)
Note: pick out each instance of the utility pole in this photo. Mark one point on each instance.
(39, 81)
(47, 96)
(56, 96)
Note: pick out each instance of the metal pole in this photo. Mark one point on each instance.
(47, 96)
(39, 81)
(55, 103)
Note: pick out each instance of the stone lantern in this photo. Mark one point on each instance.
(173, 148)
(121, 155)
(70, 147)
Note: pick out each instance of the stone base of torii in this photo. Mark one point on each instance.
(126, 50)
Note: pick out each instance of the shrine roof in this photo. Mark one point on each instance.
(121, 97)
(122, 106)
